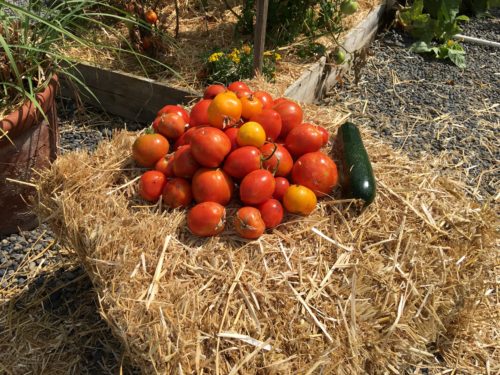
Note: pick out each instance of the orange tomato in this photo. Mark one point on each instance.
(151, 185)
(250, 106)
(151, 17)
(177, 193)
(149, 148)
(299, 200)
(224, 111)
(248, 223)
(251, 134)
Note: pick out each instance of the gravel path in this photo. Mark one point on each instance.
(425, 106)
(420, 105)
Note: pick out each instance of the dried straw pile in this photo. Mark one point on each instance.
(395, 288)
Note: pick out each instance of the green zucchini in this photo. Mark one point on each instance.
(356, 173)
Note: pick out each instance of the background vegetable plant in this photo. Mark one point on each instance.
(433, 23)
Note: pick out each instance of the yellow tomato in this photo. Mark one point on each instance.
(299, 200)
(251, 134)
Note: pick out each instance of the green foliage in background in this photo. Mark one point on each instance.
(433, 23)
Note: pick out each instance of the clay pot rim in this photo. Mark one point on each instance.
(28, 115)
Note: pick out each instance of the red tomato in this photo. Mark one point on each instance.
(271, 212)
(170, 125)
(315, 171)
(185, 165)
(206, 219)
(177, 193)
(199, 113)
(242, 161)
(282, 185)
(291, 116)
(224, 111)
(270, 121)
(238, 85)
(325, 133)
(162, 165)
(265, 98)
(303, 139)
(212, 185)
(185, 139)
(177, 109)
(149, 148)
(257, 187)
(213, 90)
(278, 101)
(280, 163)
(232, 134)
(210, 146)
(248, 223)
(250, 106)
(151, 185)
(243, 93)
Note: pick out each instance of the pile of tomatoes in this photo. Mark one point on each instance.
(235, 143)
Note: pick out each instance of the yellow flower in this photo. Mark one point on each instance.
(215, 56)
(450, 43)
(246, 49)
(235, 56)
(277, 56)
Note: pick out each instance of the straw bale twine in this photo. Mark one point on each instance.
(399, 286)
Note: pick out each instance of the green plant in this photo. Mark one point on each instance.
(33, 39)
(225, 67)
(433, 23)
(479, 7)
(310, 17)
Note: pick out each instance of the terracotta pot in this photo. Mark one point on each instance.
(31, 143)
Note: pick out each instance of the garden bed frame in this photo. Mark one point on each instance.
(118, 93)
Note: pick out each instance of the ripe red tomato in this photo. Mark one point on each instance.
(265, 98)
(248, 223)
(151, 185)
(185, 139)
(177, 109)
(224, 111)
(250, 106)
(212, 185)
(315, 171)
(177, 193)
(213, 90)
(170, 125)
(271, 212)
(210, 146)
(325, 133)
(281, 163)
(150, 16)
(206, 219)
(242, 161)
(257, 187)
(278, 101)
(149, 148)
(162, 165)
(238, 85)
(303, 139)
(232, 134)
(270, 121)
(282, 186)
(243, 93)
(199, 113)
(291, 116)
(185, 165)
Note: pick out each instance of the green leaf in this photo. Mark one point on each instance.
(420, 47)
(457, 57)
(463, 17)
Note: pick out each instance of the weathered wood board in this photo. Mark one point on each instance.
(318, 78)
(129, 96)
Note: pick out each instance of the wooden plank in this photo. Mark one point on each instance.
(260, 35)
(129, 96)
(321, 76)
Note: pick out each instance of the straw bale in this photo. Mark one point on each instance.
(406, 284)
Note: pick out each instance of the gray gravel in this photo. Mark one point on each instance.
(426, 106)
